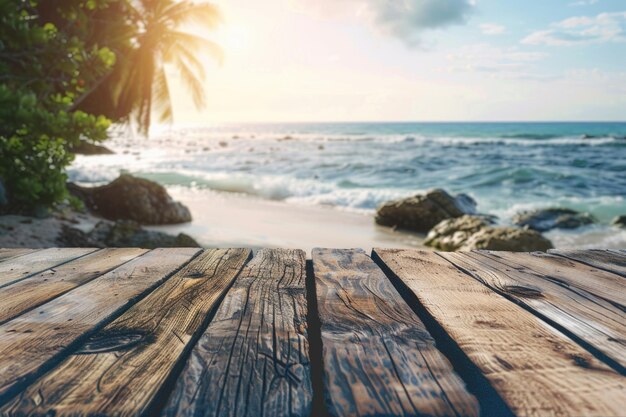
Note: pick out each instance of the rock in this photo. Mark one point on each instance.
(88, 148)
(620, 221)
(420, 213)
(553, 218)
(127, 233)
(507, 239)
(451, 234)
(132, 198)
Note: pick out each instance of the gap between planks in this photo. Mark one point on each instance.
(378, 357)
(20, 267)
(596, 324)
(36, 341)
(535, 368)
(253, 358)
(143, 345)
(34, 291)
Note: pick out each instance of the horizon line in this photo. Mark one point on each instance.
(390, 122)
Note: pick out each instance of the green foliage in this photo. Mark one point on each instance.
(43, 72)
(64, 62)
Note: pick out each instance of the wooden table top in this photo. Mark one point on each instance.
(223, 332)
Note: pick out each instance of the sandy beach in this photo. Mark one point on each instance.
(232, 220)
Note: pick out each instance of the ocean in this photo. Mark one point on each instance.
(505, 167)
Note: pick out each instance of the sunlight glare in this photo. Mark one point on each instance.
(234, 39)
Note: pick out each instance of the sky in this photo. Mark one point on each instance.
(413, 60)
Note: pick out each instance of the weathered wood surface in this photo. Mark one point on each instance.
(20, 267)
(31, 342)
(379, 359)
(536, 369)
(612, 261)
(141, 347)
(529, 334)
(590, 318)
(36, 290)
(253, 359)
(12, 253)
(567, 272)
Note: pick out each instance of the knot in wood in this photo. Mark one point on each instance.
(111, 341)
(520, 291)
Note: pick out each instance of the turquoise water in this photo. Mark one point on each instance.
(506, 167)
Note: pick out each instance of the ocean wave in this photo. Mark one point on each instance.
(529, 136)
(283, 188)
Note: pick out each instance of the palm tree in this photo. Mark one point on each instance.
(138, 83)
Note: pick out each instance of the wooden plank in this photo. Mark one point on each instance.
(379, 359)
(12, 253)
(36, 290)
(21, 267)
(253, 359)
(607, 260)
(592, 320)
(535, 368)
(143, 345)
(567, 272)
(33, 341)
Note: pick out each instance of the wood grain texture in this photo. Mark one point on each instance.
(567, 272)
(15, 269)
(379, 359)
(38, 289)
(592, 319)
(608, 260)
(12, 253)
(535, 369)
(32, 341)
(253, 359)
(142, 346)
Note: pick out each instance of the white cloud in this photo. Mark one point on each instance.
(492, 29)
(605, 27)
(404, 19)
(583, 3)
(407, 19)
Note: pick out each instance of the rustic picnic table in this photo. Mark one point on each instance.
(225, 332)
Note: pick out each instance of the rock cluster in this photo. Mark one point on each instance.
(132, 198)
(128, 202)
(453, 224)
(122, 233)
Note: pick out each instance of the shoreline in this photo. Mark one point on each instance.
(234, 220)
(224, 219)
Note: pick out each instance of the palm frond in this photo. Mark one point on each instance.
(182, 51)
(161, 94)
(192, 82)
(199, 43)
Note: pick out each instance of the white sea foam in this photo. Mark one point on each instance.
(359, 170)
